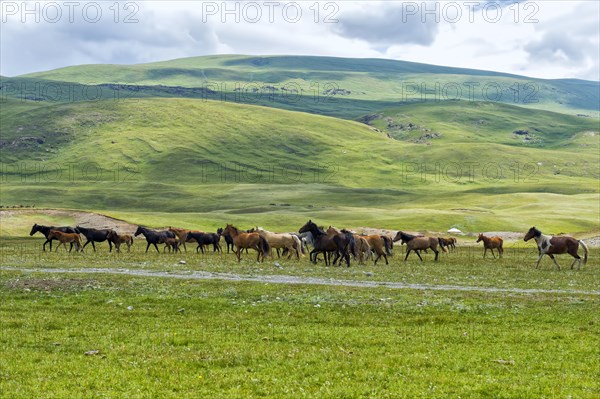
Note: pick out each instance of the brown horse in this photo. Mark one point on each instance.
(379, 245)
(448, 242)
(248, 240)
(418, 243)
(118, 239)
(64, 238)
(182, 235)
(362, 249)
(171, 243)
(549, 245)
(491, 243)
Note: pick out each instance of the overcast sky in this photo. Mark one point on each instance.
(546, 39)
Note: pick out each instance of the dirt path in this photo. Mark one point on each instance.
(202, 275)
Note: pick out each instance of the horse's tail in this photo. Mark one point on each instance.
(368, 252)
(585, 251)
(264, 245)
(442, 246)
(298, 244)
(386, 243)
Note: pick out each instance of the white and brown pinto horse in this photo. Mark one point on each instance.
(549, 245)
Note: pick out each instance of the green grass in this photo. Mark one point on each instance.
(183, 338)
(223, 162)
(372, 80)
(465, 267)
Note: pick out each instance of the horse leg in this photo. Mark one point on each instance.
(377, 258)
(237, 253)
(46, 242)
(539, 259)
(419, 255)
(500, 252)
(156, 246)
(407, 252)
(436, 254)
(386, 259)
(147, 246)
(554, 259)
(577, 258)
(492, 251)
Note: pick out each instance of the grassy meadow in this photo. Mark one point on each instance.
(196, 143)
(164, 337)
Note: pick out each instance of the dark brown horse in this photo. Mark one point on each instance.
(247, 240)
(491, 243)
(418, 243)
(549, 245)
(448, 242)
(340, 244)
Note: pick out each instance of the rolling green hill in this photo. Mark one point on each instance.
(347, 88)
(211, 162)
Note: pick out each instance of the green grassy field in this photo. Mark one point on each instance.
(221, 162)
(181, 337)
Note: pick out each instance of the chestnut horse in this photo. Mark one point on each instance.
(491, 243)
(418, 243)
(549, 245)
(64, 238)
(45, 230)
(247, 240)
(118, 239)
(379, 245)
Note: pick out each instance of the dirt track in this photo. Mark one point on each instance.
(201, 275)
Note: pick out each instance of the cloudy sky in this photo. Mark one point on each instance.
(546, 39)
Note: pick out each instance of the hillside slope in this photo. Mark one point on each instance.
(222, 161)
(325, 85)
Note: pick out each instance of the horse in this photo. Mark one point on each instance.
(153, 237)
(247, 240)
(448, 242)
(378, 244)
(286, 241)
(550, 245)
(205, 239)
(418, 243)
(118, 239)
(63, 238)
(323, 243)
(94, 235)
(362, 249)
(491, 243)
(182, 235)
(228, 239)
(171, 243)
(45, 230)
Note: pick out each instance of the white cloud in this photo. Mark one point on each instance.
(563, 43)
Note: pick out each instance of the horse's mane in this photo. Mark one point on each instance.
(406, 236)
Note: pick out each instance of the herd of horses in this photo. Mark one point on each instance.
(339, 244)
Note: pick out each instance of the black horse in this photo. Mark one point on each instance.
(228, 239)
(95, 235)
(45, 230)
(323, 243)
(205, 239)
(154, 237)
